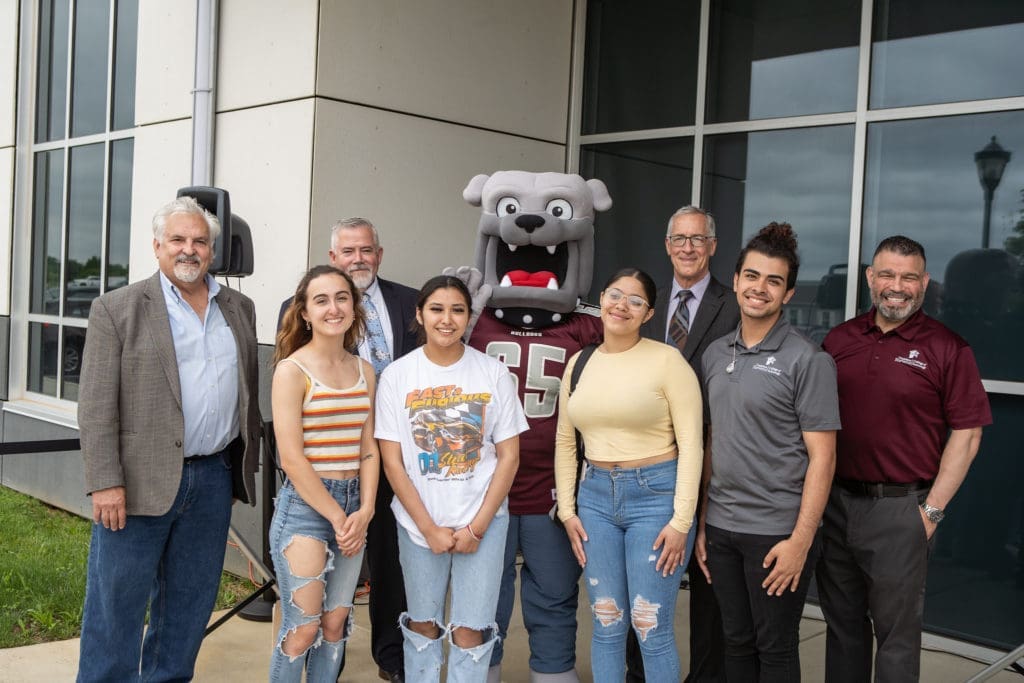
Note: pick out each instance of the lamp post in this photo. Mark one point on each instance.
(991, 162)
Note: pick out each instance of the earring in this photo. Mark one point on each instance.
(308, 326)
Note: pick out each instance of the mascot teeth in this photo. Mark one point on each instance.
(552, 284)
(552, 248)
(513, 247)
(505, 282)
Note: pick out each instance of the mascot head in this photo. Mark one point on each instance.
(535, 242)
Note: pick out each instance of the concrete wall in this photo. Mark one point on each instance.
(406, 174)
(414, 99)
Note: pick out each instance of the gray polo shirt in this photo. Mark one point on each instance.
(778, 389)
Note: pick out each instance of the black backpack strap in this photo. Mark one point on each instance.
(577, 371)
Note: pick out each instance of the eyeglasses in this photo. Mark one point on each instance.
(616, 295)
(698, 241)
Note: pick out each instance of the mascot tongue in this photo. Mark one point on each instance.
(523, 278)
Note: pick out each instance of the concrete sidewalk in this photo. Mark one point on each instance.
(240, 651)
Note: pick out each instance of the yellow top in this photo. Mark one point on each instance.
(632, 405)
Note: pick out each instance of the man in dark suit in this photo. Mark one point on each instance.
(691, 313)
(169, 423)
(390, 311)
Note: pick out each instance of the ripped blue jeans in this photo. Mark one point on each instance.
(623, 510)
(320, 582)
(475, 579)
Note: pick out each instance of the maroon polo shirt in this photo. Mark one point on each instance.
(899, 395)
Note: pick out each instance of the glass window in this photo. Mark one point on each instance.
(89, 88)
(85, 229)
(82, 189)
(124, 64)
(931, 51)
(52, 70)
(799, 176)
(640, 69)
(647, 180)
(43, 340)
(119, 228)
(922, 181)
(979, 547)
(48, 219)
(782, 58)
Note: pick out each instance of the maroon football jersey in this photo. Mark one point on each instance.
(536, 358)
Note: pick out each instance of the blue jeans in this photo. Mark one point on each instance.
(762, 632)
(549, 588)
(474, 580)
(623, 510)
(172, 563)
(338, 576)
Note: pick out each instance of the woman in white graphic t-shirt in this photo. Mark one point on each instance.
(448, 421)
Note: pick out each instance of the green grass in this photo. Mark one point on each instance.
(43, 553)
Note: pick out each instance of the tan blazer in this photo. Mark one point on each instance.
(129, 409)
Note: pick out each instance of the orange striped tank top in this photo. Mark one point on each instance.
(332, 422)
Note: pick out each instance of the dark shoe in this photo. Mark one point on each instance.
(391, 677)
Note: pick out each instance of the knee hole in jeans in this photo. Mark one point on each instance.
(300, 639)
(336, 624)
(645, 616)
(307, 558)
(428, 629)
(607, 611)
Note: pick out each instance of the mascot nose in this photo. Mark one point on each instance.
(529, 221)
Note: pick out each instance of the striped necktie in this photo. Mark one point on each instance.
(380, 356)
(679, 326)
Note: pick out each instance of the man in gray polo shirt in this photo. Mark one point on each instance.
(774, 413)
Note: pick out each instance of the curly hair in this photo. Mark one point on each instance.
(775, 240)
(293, 334)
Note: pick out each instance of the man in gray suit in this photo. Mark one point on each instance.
(690, 314)
(169, 423)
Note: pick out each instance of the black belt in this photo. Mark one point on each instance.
(196, 458)
(882, 489)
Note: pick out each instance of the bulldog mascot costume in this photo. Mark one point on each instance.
(535, 251)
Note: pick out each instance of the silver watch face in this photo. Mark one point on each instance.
(933, 513)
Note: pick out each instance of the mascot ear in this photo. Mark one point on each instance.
(602, 200)
(474, 192)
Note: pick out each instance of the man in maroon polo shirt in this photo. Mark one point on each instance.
(912, 407)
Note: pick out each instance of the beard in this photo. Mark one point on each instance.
(188, 270)
(361, 276)
(892, 313)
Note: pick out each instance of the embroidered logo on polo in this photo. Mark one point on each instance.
(768, 366)
(911, 360)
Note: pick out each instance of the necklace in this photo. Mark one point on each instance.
(732, 366)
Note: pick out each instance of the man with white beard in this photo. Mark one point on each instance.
(912, 407)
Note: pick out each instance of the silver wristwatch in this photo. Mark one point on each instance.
(934, 514)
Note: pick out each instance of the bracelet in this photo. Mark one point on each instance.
(473, 534)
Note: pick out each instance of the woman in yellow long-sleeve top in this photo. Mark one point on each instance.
(638, 407)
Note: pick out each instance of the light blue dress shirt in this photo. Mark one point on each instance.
(207, 370)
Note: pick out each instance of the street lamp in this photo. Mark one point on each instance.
(991, 161)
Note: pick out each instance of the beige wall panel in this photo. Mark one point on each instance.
(498, 65)
(406, 174)
(162, 164)
(267, 51)
(8, 69)
(165, 69)
(6, 196)
(264, 155)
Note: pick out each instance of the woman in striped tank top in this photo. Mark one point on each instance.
(322, 397)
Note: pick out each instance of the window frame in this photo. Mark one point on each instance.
(21, 400)
(860, 117)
